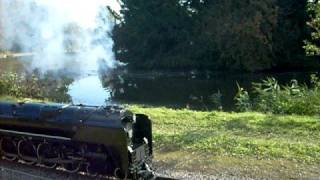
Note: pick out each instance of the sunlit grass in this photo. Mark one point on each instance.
(251, 134)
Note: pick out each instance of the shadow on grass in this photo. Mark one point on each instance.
(181, 141)
(284, 123)
(238, 123)
(271, 123)
(243, 126)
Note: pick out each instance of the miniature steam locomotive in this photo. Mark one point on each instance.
(109, 141)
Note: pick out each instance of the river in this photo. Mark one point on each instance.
(171, 89)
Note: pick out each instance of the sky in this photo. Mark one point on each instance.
(113, 4)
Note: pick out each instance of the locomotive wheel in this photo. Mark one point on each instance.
(96, 166)
(27, 151)
(45, 153)
(92, 160)
(91, 169)
(119, 174)
(72, 167)
(76, 158)
(8, 149)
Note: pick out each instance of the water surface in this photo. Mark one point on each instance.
(170, 89)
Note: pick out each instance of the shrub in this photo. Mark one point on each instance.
(216, 99)
(35, 86)
(242, 98)
(11, 84)
(293, 98)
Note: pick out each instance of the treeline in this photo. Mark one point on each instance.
(249, 35)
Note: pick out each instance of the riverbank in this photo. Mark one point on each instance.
(248, 145)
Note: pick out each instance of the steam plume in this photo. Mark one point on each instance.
(51, 28)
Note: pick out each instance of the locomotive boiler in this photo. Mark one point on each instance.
(108, 140)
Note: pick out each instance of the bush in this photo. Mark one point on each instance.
(242, 99)
(216, 99)
(292, 98)
(11, 84)
(35, 86)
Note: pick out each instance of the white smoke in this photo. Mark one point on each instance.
(52, 28)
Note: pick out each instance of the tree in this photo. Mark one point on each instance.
(240, 32)
(250, 35)
(289, 36)
(312, 46)
(153, 34)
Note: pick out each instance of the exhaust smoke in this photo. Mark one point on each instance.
(61, 34)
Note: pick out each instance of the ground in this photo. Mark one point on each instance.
(236, 145)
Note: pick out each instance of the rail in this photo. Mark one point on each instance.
(12, 171)
(12, 174)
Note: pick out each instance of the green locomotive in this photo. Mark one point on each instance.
(107, 141)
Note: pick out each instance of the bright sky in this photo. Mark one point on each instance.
(113, 4)
(83, 12)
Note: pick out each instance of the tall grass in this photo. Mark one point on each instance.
(293, 98)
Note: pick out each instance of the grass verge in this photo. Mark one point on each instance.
(240, 135)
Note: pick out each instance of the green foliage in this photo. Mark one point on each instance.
(248, 35)
(241, 32)
(267, 94)
(242, 98)
(10, 83)
(293, 98)
(35, 86)
(312, 46)
(216, 99)
(153, 34)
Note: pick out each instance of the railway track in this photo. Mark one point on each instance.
(14, 171)
(11, 174)
(17, 171)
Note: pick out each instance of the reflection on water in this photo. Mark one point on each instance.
(191, 89)
(88, 91)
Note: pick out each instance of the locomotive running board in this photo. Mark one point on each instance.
(34, 135)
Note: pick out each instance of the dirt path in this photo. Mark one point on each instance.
(11, 171)
(181, 166)
(195, 166)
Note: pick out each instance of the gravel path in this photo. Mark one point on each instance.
(164, 170)
(12, 171)
(195, 176)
